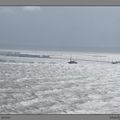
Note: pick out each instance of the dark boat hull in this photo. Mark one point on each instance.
(72, 62)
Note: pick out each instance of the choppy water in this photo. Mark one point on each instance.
(54, 86)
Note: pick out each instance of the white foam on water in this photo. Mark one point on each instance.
(40, 86)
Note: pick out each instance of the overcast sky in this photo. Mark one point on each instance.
(59, 28)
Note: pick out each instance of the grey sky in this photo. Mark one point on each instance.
(59, 27)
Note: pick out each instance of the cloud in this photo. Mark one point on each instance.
(18, 10)
(31, 8)
(7, 10)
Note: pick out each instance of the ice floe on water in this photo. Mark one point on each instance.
(52, 86)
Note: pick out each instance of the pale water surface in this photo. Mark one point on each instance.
(43, 85)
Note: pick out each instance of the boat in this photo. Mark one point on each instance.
(115, 62)
(72, 61)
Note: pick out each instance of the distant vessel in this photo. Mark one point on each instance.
(72, 61)
(115, 62)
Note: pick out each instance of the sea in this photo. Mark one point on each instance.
(51, 85)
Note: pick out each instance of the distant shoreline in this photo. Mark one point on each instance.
(60, 51)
